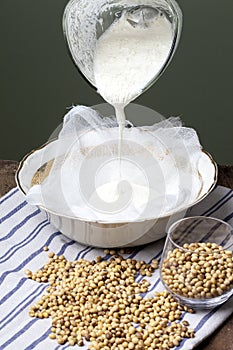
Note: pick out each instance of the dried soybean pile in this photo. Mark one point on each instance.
(101, 303)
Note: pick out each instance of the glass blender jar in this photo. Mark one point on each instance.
(85, 21)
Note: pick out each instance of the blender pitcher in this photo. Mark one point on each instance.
(84, 22)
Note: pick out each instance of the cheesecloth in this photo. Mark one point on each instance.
(157, 172)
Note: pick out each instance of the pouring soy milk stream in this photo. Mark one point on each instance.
(128, 55)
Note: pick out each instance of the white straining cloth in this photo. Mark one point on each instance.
(159, 169)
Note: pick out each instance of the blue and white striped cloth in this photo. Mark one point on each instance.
(25, 230)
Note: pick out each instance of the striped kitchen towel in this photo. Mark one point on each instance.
(25, 230)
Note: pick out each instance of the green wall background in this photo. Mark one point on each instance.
(38, 79)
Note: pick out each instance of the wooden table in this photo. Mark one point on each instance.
(222, 339)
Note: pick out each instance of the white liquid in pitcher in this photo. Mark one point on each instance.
(128, 56)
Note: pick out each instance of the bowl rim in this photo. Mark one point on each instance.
(169, 214)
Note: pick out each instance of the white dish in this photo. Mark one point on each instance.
(112, 234)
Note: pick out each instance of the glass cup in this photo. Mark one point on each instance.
(84, 21)
(197, 261)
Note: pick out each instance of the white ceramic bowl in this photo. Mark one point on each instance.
(100, 234)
